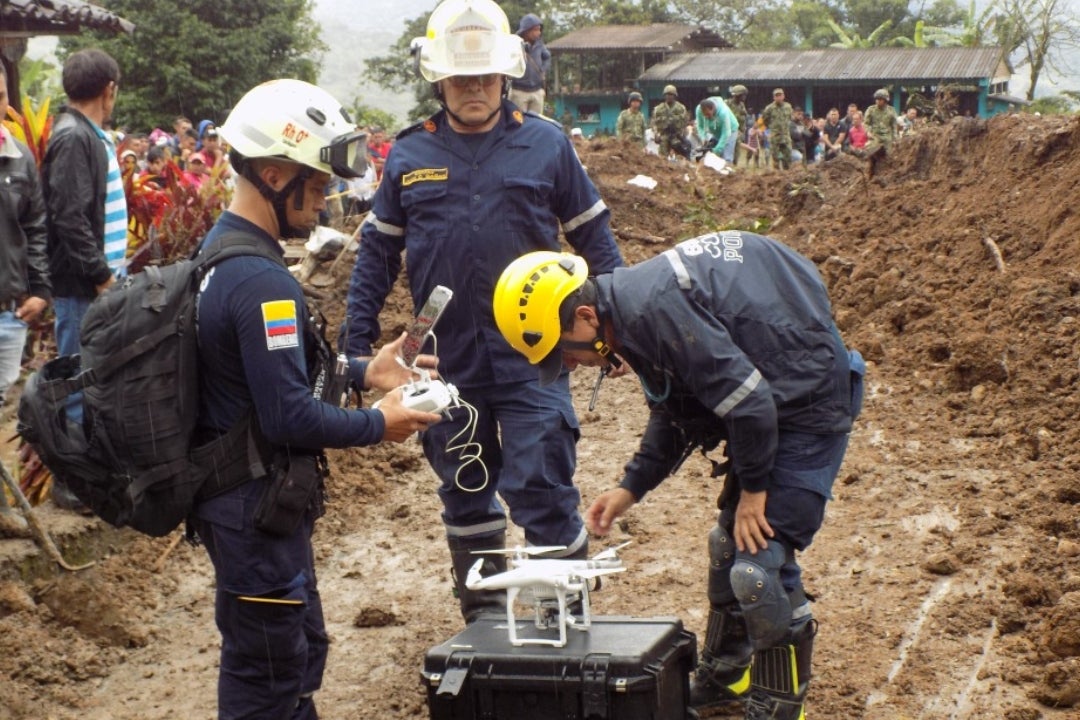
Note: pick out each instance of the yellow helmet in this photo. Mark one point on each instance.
(526, 304)
(469, 37)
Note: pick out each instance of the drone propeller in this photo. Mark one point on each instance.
(519, 550)
(611, 553)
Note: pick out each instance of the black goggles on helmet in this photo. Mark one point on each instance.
(346, 154)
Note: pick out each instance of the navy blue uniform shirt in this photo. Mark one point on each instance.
(251, 317)
(735, 328)
(463, 211)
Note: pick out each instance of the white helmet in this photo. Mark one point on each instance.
(297, 121)
(469, 37)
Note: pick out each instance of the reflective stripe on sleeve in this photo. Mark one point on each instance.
(575, 223)
(739, 395)
(681, 274)
(384, 227)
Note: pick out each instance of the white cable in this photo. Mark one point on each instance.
(469, 451)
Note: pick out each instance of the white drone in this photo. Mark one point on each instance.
(546, 582)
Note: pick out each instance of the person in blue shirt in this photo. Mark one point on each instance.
(527, 91)
(265, 401)
(463, 193)
(732, 337)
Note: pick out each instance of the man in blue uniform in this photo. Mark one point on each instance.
(267, 370)
(732, 338)
(464, 193)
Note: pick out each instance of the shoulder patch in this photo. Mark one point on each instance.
(538, 116)
(423, 125)
(280, 324)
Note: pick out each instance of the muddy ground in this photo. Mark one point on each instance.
(947, 575)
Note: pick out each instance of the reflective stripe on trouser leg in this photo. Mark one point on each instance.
(528, 435)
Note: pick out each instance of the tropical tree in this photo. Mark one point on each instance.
(851, 40)
(1038, 31)
(866, 18)
(1062, 104)
(198, 57)
(741, 22)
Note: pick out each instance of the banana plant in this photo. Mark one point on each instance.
(32, 127)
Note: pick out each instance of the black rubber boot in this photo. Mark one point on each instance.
(780, 677)
(477, 602)
(722, 678)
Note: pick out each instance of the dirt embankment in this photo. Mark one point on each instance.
(948, 572)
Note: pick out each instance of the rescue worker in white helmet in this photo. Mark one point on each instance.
(463, 193)
(269, 401)
(732, 337)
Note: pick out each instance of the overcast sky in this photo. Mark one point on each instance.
(356, 31)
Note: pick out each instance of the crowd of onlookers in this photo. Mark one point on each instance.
(777, 136)
(195, 155)
(815, 140)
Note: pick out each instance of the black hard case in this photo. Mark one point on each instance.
(621, 668)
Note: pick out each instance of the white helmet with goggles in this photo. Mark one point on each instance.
(469, 37)
(297, 121)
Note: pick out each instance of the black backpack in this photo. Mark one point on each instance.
(133, 460)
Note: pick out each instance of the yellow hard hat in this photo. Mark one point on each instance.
(526, 304)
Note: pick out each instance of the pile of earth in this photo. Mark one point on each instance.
(953, 268)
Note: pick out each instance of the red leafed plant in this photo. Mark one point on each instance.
(169, 215)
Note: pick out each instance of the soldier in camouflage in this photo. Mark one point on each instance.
(737, 104)
(631, 122)
(777, 116)
(669, 120)
(880, 121)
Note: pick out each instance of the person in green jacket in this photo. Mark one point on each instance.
(777, 116)
(880, 119)
(631, 122)
(737, 104)
(669, 120)
(717, 126)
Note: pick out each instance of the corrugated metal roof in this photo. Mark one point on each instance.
(658, 36)
(44, 17)
(901, 64)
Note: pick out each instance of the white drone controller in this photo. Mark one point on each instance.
(425, 393)
(429, 395)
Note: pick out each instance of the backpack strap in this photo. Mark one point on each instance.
(240, 453)
(232, 244)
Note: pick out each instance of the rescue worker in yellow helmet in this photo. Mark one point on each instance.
(731, 335)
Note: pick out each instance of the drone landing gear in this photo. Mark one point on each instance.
(566, 605)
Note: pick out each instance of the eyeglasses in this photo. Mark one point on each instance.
(461, 81)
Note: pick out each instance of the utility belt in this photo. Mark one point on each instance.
(295, 481)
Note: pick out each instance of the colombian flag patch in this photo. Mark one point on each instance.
(279, 319)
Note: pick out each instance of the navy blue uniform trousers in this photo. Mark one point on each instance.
(273, 637)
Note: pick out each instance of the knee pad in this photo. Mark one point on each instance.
(755, 580)
(721, 560)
